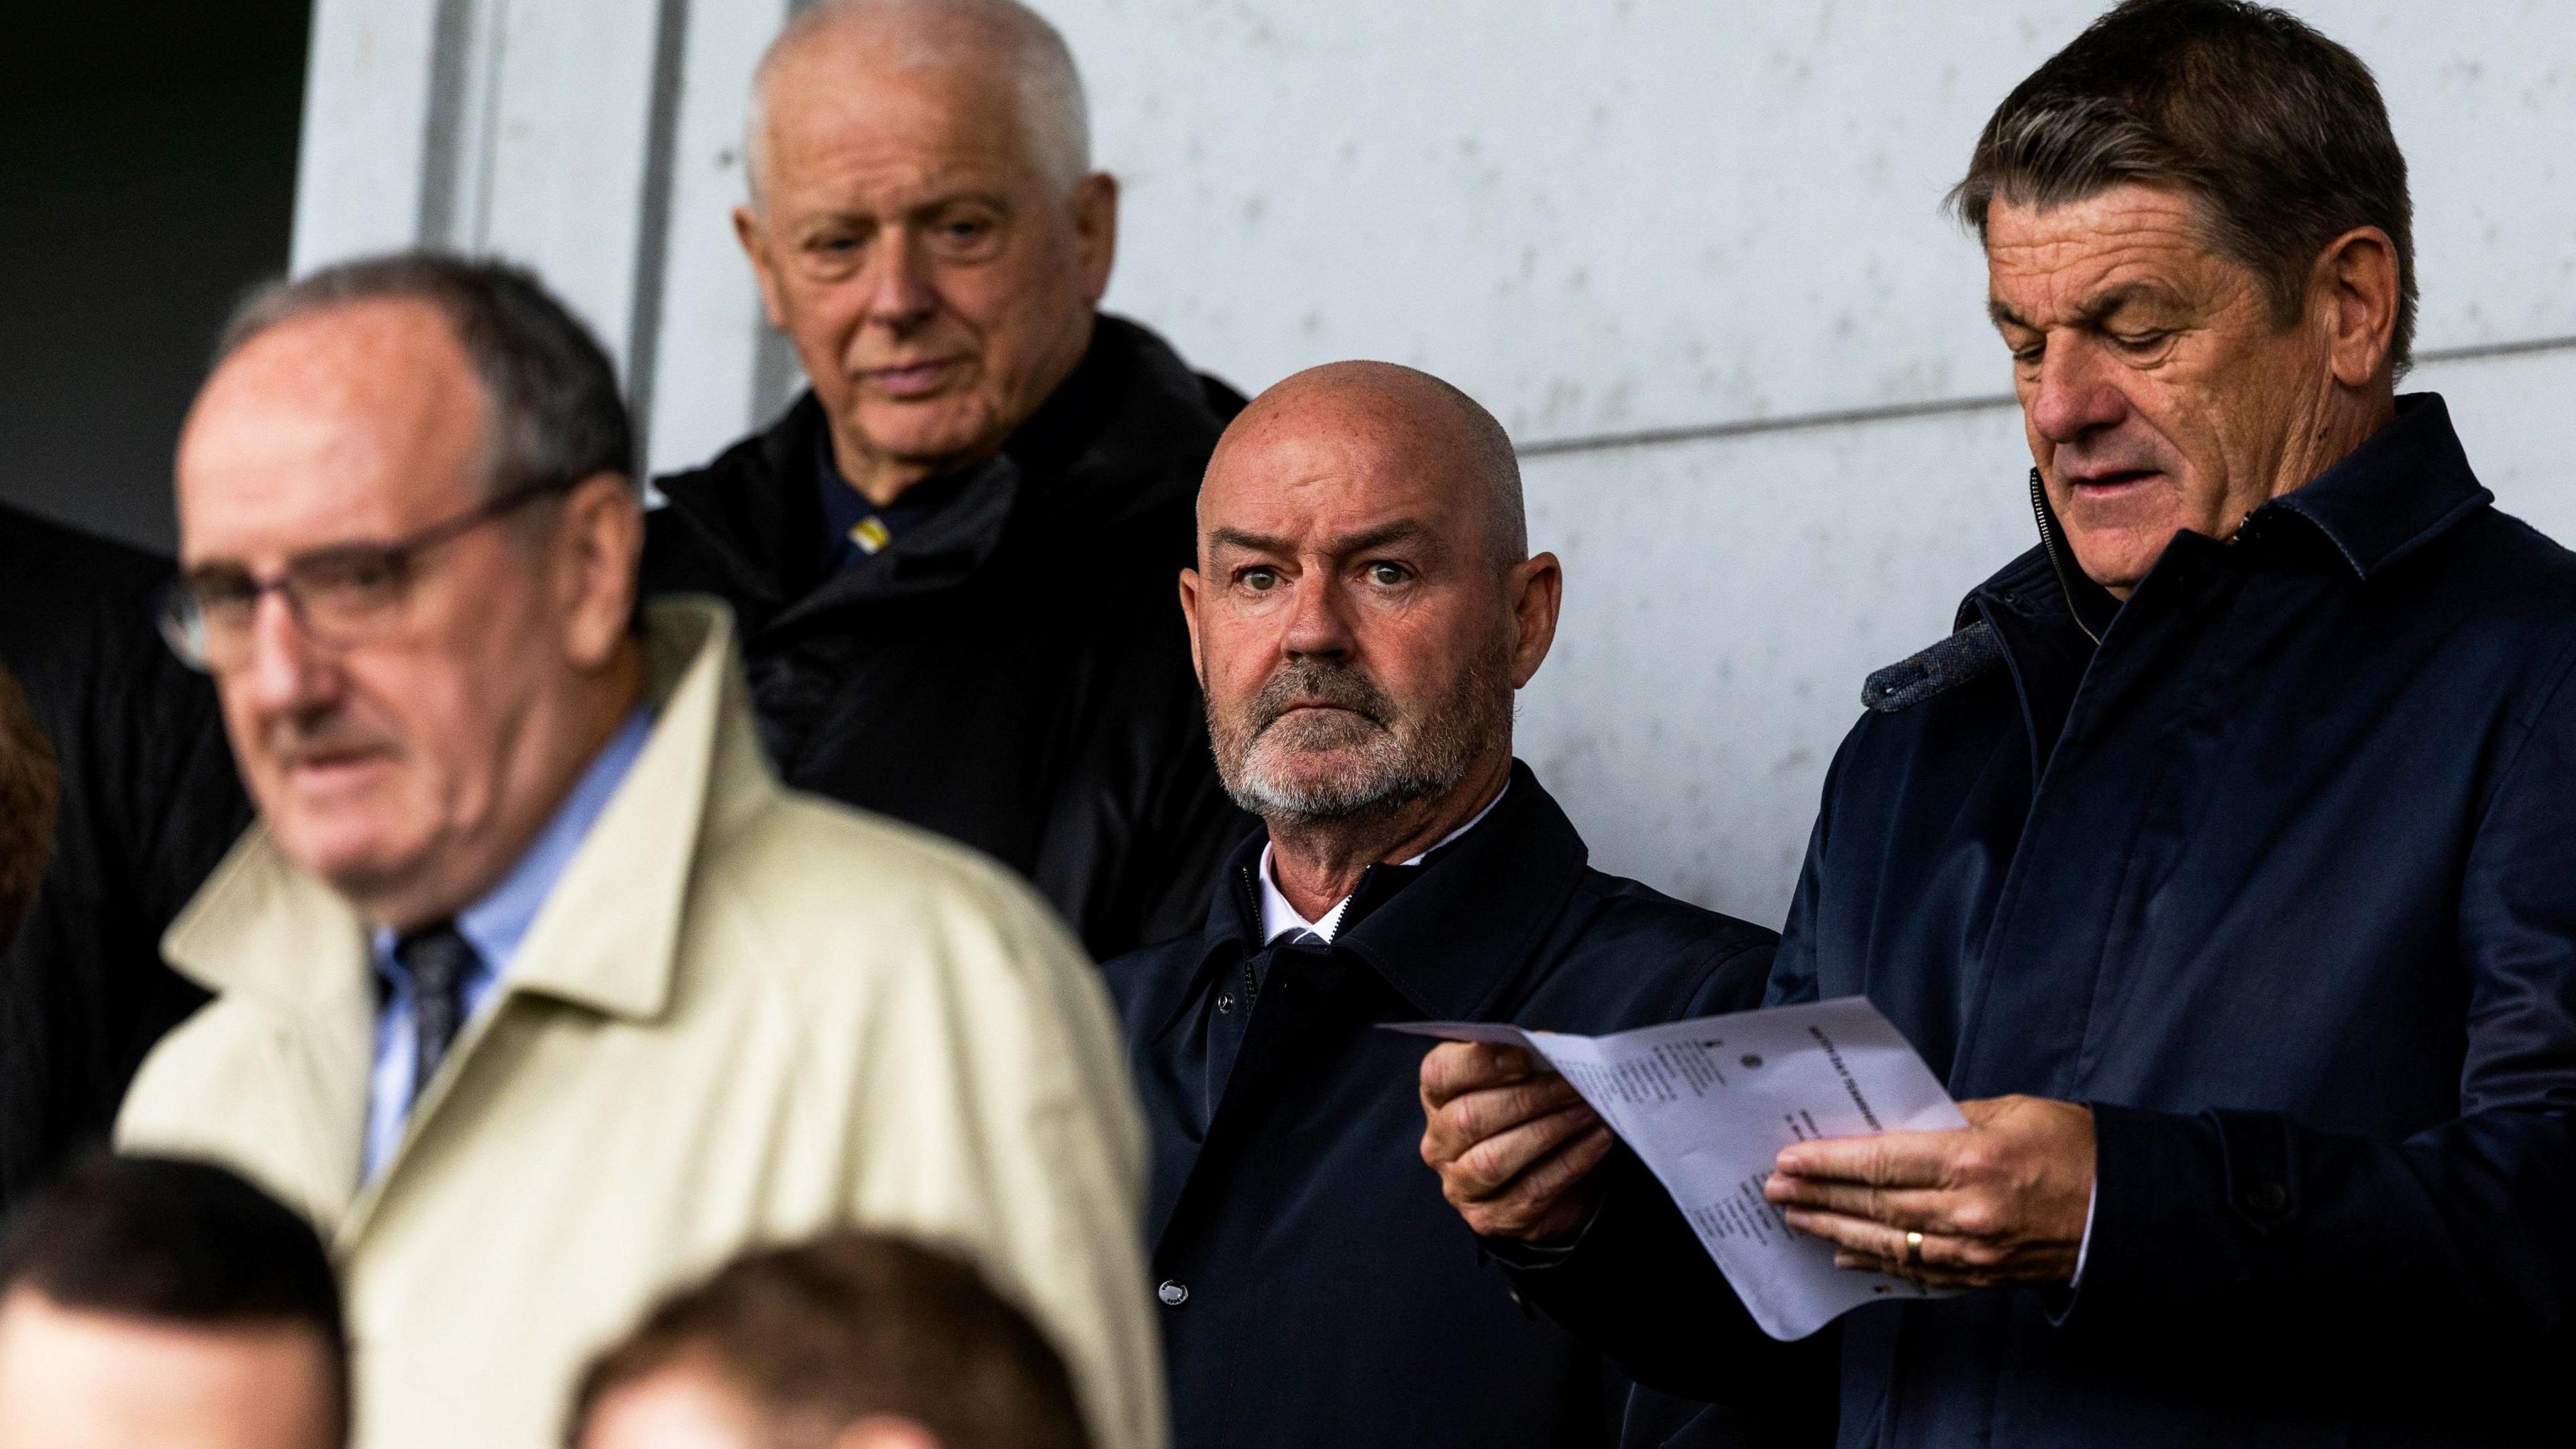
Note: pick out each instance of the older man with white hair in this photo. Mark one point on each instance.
(951, 557)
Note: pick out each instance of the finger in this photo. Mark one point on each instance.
(1457, 1067)
(1489, 1167)
(1546, 1199)
(1930, 1210)
(1546, 1180)
(1884, 1159)
(1852, 1235)
(1942, 1260)
(1458, 1125)
(1929, 1274)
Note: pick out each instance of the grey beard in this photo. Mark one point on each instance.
(1386, 761)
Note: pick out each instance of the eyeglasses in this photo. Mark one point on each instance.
(341, 596)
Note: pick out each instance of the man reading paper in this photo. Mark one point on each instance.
(2220, 859)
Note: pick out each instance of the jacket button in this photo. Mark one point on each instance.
(2266, 1199)
(1173, 1292)
(1224, 1002)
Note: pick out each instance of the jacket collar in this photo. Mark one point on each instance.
(2405, 486)
(1451, 935)
(1068, 473)
(606, 937)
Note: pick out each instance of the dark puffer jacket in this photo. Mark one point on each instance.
(1014, 672)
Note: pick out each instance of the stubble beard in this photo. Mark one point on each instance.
(1362, 759)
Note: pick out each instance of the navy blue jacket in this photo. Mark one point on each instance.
(1316, 1288)
(2281, 878)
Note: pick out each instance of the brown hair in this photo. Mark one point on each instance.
(30, 789)
(168, 1240)
(2279, 132)
(822, 1334)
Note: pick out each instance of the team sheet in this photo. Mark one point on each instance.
(1708, 1103)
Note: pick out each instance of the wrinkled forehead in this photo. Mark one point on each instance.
(2047, 265)
(1325, 473)
(827, 111)
(358, 422)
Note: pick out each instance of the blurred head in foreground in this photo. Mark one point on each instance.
(852, 1341)
(150, 1303)
(408, 542)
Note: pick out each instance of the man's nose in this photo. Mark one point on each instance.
(1318, 626)
(899, 291)
(2076, 395)
(284, 669)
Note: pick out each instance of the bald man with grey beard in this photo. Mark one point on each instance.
(1363, 606)
(951, 557)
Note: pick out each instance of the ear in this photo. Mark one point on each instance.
(1534, 589)
(2354, 290)
(753, 234)
(1095, 232)
(1190, 616)
(599, 541)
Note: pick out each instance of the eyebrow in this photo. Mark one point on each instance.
(2091, 312)
(1404, 530)
(830, 216)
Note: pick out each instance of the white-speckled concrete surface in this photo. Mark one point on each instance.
(1600, 216)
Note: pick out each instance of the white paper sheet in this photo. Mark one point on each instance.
(1707, 1104)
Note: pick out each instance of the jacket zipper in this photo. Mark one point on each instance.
(2057, 555)
(1251, 983)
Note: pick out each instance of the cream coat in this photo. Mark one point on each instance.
(744, 1013)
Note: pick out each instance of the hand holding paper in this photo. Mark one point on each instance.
(2007, 1201)
(1708, 1105)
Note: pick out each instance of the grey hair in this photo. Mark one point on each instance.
(2279, 133)
(555, 416)
(1054, 114)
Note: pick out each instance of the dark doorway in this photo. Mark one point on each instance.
(147, 176)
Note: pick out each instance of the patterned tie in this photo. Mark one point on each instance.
(439, 962)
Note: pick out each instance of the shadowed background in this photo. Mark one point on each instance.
(147, 176)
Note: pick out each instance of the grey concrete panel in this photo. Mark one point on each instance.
(1725, 599)
(1661, 213)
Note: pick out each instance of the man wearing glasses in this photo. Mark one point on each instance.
(535, 990)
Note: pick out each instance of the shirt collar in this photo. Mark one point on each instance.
(1279, 918)
(498, 922)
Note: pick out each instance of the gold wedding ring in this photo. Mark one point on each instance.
(1913, 1250)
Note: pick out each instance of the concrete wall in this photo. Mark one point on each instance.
(1691, 254)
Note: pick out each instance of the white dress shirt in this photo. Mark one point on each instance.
(1279, 918)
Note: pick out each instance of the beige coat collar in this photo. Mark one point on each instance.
(605, 938)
